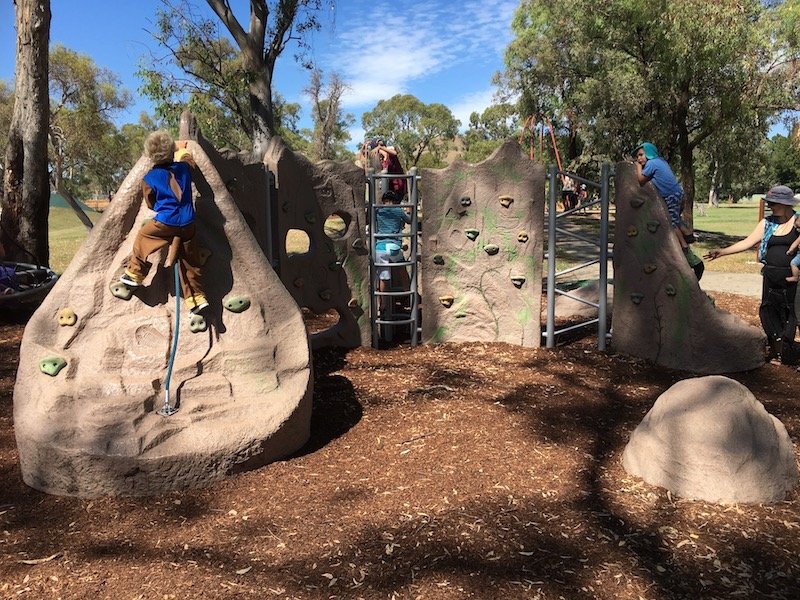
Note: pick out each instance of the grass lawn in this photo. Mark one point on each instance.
(722, 226)
(66, 235)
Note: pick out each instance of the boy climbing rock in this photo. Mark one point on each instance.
(167, 190)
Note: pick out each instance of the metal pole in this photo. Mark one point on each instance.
(413, 249)
(373, 308)
(551, 260)
(602, 325)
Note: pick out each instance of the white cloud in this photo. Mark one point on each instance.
(474, 102)
(385, 53)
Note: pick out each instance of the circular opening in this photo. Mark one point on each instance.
(336, 225)
(297, 242)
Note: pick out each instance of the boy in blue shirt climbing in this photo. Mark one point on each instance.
(389, 220)
(167, 189)
(651, 167)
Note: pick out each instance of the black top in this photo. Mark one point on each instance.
(776, 249)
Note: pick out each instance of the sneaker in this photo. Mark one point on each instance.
(128, 280)
(198, 309)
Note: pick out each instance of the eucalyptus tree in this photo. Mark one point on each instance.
(26, 193)
(617, 72)
(237, 81)
(331, 123)
(413, 126)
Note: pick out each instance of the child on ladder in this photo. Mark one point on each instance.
(167, 189)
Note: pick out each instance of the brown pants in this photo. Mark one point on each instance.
(152, 237)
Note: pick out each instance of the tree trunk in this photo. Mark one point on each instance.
(263, 112)
(26, 189)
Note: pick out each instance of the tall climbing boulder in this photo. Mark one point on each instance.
(660, 311)
(482, 250)
(92, 366)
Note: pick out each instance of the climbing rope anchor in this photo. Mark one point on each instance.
(167, 410)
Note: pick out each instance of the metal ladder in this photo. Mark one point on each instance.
(386, 321)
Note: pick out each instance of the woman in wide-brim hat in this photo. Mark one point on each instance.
(775, 235)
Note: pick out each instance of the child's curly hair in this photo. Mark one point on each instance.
(160, 146)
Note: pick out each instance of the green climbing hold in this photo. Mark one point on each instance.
(637, 202)
(652, 226)
(236, 304)
(52, 365)
(120, 290)
(198, 324)
(471, 233)
(637, 298)
(517, 280)
(438, 259)
(670, 289)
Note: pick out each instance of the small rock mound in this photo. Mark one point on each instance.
(709, 439)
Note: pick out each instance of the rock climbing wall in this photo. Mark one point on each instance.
(325, 203)
(92, 366)
(660, 313)
(482, 250)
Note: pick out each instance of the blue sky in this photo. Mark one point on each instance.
(438, 51)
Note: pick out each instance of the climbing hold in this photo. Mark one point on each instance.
(637, 298)
(505, 201)
(285, 207)
(67, 317)
(522, 236)
(299, 282)
(352, 303)
(632, 231)
(438, 259)
(236, 304)
(310, 217)
(198, 324)
(359, 245)
(652, 226)
(325, 294)
(466, 201)
(120, 290)
(649, 268)
(335, 265)
(52, 365)
(447, 301)
(491, 249)
(669, 289)
(636, 202)
(471, 233)
(517, 280)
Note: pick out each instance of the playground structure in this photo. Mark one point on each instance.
(91, 365)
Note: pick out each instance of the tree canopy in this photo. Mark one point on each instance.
(412, 126)
(616, 72)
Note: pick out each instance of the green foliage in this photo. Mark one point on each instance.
(413, 126)
(488, 130)
(330, 122)
(87, 154)
(784, 162)
(677, 73)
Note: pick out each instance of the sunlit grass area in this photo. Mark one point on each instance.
(722, 226)
(66, 235)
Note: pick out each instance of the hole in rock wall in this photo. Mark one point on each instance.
(337, 224)
(297, 242)
(316, 323)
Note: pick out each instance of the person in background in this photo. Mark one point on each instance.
(775, 234)
(392, 220)
(167, 189)
(390, 163)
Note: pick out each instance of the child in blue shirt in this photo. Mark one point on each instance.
(389, 220)
(167, 189)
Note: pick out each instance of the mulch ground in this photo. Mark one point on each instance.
(451, 471)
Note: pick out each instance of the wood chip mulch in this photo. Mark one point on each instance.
(452, 471)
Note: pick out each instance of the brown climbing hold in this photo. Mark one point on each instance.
(637, 298)
(649, 268)
(352, 303)
(438, 259)
(669, 289)
(522, 236)
(632, 231)
(491, 249)
(325, 294)
(67, 317)
(466, 201)
(506, 201)
(299, 282)
(637, 202)
(447, 301)
(517, 280)
(471, 233)
(202, 255)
